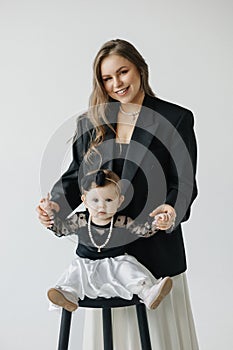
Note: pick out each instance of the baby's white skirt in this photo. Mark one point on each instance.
(121, 276)
(171, 324)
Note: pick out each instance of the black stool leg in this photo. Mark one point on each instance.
(143, 327)
(107, 329)
(64, 330)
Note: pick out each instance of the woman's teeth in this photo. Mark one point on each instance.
(121, 92)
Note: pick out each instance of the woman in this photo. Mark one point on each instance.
(150, 144)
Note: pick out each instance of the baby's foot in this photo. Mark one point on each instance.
(157, 293)
(62, 298)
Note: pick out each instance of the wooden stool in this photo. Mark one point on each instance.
(107, 305)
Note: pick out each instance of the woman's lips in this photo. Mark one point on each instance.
(122, 92)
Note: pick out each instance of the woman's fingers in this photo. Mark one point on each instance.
(164, 208)
(162, 220)
(44, 218)
(40, 211)
(158, 210)
(48, 206)
(45, 211)
(165, 217)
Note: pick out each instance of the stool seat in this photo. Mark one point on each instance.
(106, 304)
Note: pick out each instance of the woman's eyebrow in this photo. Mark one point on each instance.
(106, 75)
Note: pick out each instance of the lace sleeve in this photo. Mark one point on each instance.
(144, 230)
(68, 226)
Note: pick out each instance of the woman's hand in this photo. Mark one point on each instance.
(45, 210)
(165, 216)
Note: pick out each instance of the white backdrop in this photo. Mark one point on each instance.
(47, 49)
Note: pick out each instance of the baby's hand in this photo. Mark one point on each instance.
(48, 206)
(161, 221)
(164, 217)
(45, 211)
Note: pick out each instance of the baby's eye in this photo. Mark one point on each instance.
(95, 200)
(108, 200)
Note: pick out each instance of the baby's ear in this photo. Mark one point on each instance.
(121, 200)
(83, 198)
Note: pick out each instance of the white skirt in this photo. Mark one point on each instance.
(171, 325)
(121, 276)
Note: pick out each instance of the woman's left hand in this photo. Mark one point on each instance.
(165, 216)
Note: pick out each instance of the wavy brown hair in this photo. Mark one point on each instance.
(99, 98)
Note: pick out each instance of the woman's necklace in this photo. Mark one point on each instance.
(92, 239)
(130, 114)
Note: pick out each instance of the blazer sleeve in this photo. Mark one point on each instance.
(66, 191)
(182, 173)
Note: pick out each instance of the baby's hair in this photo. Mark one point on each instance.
(100, 178)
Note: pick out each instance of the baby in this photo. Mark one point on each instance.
(102, 267)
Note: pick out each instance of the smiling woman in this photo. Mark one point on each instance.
(150, 144)
(122, 81)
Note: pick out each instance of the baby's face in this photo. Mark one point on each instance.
(103, 202)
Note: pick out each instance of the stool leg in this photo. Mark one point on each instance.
(107, 329)
(64, 330)
(143, 327)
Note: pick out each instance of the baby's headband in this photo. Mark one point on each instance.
(99, 178)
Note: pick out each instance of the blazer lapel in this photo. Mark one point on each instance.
(145, 130)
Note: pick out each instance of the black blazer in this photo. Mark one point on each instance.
(160, 167)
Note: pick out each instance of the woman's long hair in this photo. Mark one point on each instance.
(99, 98)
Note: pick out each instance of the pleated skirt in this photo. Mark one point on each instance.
(171, 325)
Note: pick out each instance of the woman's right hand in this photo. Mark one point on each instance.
(45, 214)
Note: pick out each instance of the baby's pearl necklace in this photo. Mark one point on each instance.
(92, 239)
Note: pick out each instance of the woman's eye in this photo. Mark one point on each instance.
(124, 71)
(106, 79)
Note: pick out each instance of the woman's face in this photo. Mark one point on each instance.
(121, 79)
